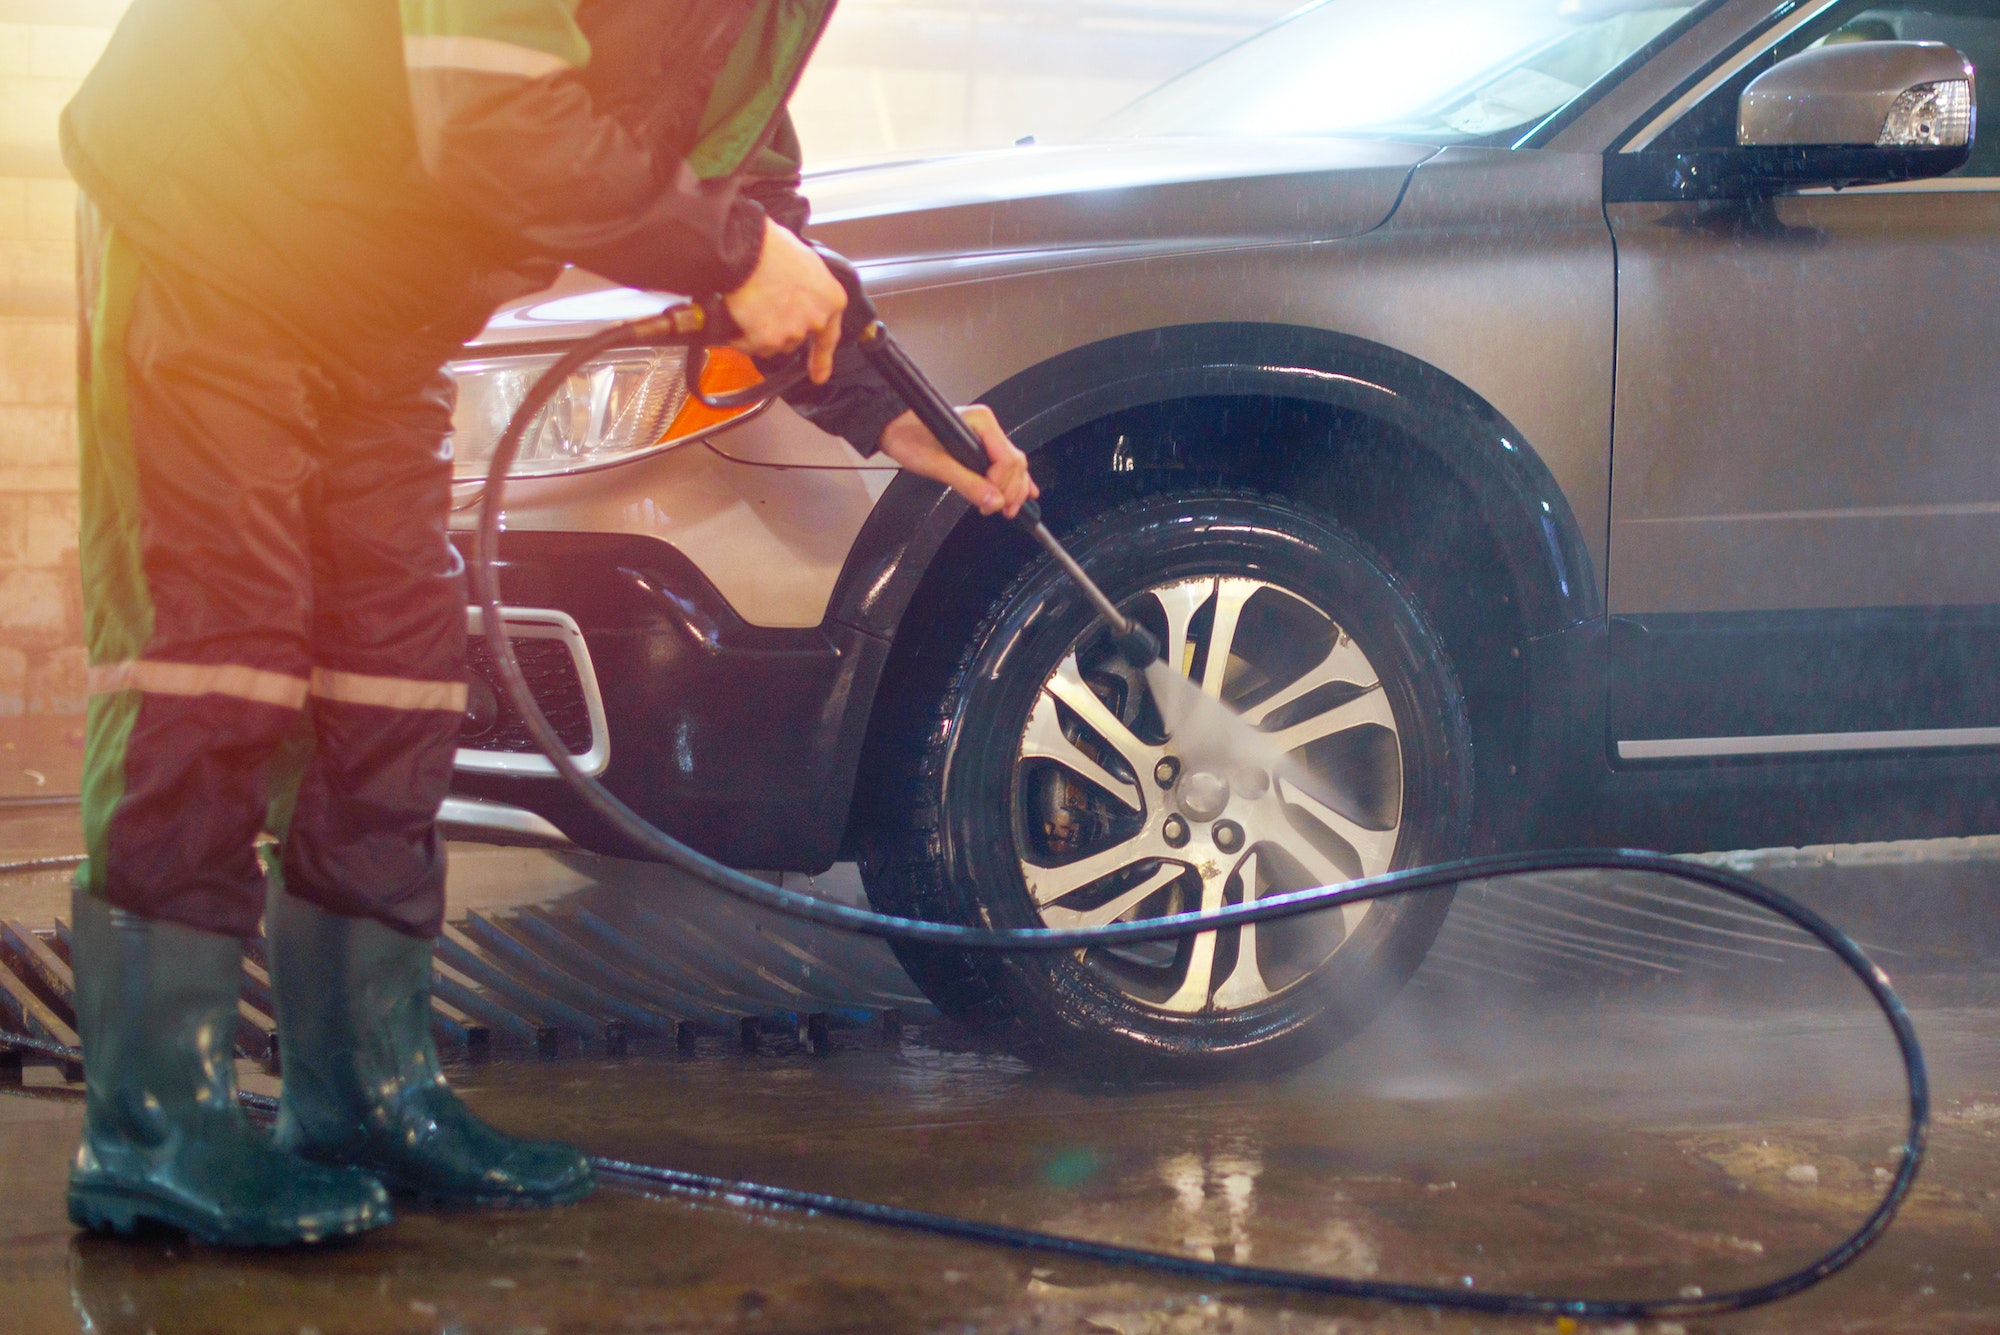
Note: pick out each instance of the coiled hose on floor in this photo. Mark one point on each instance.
(685, 325)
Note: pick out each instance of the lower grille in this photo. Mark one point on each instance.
(491, 721)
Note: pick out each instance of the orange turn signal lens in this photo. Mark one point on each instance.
(727, 371)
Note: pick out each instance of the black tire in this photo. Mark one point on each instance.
(954, 809)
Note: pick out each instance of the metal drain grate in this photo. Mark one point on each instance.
(585, 977)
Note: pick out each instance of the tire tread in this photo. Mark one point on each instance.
(902, 843)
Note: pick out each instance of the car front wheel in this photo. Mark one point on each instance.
(1046, 787)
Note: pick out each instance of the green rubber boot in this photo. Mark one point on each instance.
(164, 1140)
(362, 1084)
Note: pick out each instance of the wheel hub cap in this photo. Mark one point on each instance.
(1203, 795)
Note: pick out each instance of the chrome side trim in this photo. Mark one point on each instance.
(1893, 853)
(1799, 743)
(1935, 185)
(477, 814)
(1722, 73)
(538, 623)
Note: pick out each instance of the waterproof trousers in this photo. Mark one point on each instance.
(276, 621)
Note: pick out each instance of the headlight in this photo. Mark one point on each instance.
(616, 407)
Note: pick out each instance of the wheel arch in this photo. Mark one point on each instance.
(1541, 542)
(1336, 410)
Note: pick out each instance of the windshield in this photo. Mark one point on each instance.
(1439, 70)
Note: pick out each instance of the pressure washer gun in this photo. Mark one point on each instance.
(863, 326)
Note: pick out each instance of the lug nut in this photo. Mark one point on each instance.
(1167, 771)
(1253, 783)
(1175, 831)
(1228, 835)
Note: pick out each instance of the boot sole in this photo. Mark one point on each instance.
(123, 1211)
(399, 1185)
(468, 1201)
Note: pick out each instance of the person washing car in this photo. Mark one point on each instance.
(293, 214)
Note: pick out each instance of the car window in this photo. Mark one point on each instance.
(1972, 26)
(1448, 71)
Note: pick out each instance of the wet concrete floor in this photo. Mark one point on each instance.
(1579, 1141)
(1602, 1181)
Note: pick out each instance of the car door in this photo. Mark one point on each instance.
(1805, 500)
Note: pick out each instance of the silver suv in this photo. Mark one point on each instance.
(1553, 421)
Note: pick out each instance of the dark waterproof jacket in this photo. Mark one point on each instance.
(379, 177)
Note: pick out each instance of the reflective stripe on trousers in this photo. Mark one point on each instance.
(276, 622)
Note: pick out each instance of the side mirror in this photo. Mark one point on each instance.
(1893, 95)
(1846, 114)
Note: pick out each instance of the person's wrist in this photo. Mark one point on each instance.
(897, 429)
(747, 237)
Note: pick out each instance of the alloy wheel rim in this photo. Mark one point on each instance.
(1114, 822)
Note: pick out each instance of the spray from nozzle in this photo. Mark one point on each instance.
(1206, 733)
(1204, 730)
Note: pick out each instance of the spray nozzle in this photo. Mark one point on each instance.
(1139, 646)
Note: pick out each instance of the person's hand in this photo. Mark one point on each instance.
(1006, 487)
(789, 299)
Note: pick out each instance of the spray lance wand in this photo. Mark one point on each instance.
(701, 325)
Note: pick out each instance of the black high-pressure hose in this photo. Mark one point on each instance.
(695, 326)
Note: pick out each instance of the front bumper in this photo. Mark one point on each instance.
(740, 740)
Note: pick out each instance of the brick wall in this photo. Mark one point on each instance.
(45, 48)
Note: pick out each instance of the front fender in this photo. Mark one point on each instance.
(1541, 543)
